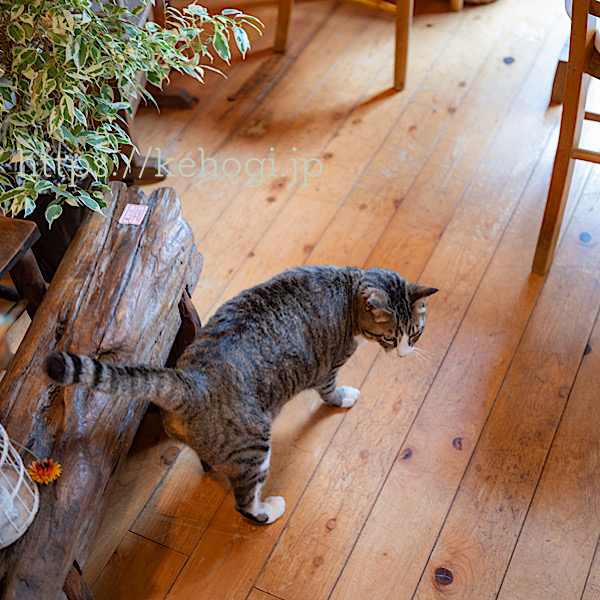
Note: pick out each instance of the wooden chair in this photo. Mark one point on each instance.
(404, 11)
(584, 60)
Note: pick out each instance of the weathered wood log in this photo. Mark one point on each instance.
(115, 295)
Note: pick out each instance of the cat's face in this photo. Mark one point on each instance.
(393, 313)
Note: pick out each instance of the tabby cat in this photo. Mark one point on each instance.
(258, 351)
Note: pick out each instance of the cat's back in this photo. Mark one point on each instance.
(289, 326)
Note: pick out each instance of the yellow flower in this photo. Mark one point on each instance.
(44, 471)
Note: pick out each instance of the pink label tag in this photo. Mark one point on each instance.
(133, 214)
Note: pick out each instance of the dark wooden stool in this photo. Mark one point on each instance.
(16, 238)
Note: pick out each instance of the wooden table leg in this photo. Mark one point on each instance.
(190, 325)
(29, 282)
(404, 12)
(283, 23)
(75, 587)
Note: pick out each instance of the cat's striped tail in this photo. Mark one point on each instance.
(162, 386)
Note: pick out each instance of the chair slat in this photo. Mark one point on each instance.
(587, 155)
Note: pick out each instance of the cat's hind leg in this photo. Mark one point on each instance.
(248, 470)
(343, 396)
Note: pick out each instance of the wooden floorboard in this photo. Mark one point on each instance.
(478, 536)
(472, 473)
(564, 517)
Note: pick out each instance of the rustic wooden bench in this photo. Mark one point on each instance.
(119, 293)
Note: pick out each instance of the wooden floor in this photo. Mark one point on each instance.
(474, 474)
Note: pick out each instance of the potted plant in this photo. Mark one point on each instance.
(68, 70)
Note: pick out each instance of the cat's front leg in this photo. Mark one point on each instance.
(343, 396)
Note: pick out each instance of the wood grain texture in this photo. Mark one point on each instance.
(415, 500)
(161, 566)
(298, 226)
(286, 114)
(564, 518)
(488, 512)
(404, 177)
(133, 277)
(147, 461)
(592, 585)
(182, 506)
(256, 594)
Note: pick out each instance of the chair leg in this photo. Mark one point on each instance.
(404, 12)
(558, 193)
(283, 24)
(456, 4)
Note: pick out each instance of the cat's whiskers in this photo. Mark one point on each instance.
(425, 356)
(428, 352)
(420, 358)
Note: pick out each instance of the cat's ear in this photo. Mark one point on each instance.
(417, 292)
(377, 303)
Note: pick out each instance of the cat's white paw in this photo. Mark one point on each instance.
(274, 507)
(350, 395)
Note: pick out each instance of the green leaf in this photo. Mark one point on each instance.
(79, 116)
(52, 213)
(99, 197)
(72, 52)
(16, 11)
(42, 185)
(101, 185)
(5, 155)
(68, 20)
(29, 206)
(95, 69)
(68, 107)
(89, 202)
(107, 93)
(16, 32)
(56, 119)
(69, 136)
(61, 191)
(24, 58)
(13, 194)
(241, 39)
(221, 45)
(154, 78)
(83, 54)
(195, 9)
(231, 11)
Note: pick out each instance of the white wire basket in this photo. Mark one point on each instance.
(19, 497)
